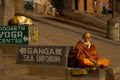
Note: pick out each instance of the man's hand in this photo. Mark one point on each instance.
(93, 61)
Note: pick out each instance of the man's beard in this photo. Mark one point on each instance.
(88, 43)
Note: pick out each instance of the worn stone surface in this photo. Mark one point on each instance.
(84, 18)
(9, 68)
(8, 48)
(94, 75)
(7, 11)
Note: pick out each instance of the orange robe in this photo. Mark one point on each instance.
(84, 55)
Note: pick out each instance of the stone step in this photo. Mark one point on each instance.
(98, 74)
(13, 70)
(113, 73)
(7, 59)
(116, 73)
(34, 77)
(117, 77)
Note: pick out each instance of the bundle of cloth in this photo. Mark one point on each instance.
(20, 20)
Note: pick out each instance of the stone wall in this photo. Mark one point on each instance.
(19, 5)
(1, 11)
(118, 6)
(7, 11)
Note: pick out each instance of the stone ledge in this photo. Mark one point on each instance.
(98, 74)
(113, 73)
(13, 70)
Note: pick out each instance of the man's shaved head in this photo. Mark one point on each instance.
(86, 35)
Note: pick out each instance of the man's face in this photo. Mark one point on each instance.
(86, 39)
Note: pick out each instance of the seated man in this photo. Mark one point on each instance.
(86, 54)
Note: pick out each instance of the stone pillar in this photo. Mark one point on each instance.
(19, 5)
(41, 7)
(81, 5)
(7, 11)
(90, 7)
(98, 7)
(53, 11)
(73, 4)
(118, 6)
(113, 29)
(47, 7)
(1, 12)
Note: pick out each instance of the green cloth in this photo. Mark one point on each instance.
(105, 11)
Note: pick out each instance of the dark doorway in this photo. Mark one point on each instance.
(28, 5)
(85, 5)
(76, 4)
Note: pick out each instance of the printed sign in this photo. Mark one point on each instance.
(42, 55)
(14, 34)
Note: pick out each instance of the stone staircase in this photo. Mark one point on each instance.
(11, 70)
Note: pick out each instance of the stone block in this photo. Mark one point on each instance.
(113, 73)
(7, 59)
(7, 10)
(47, 70)
(98, 74)
(13, 71)
(34, 77)
(42, 9)
(8, 48)
(19, 7)
(7, 18)
(1, 15)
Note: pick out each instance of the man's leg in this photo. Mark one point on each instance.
(87, 62)
(104, 62)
